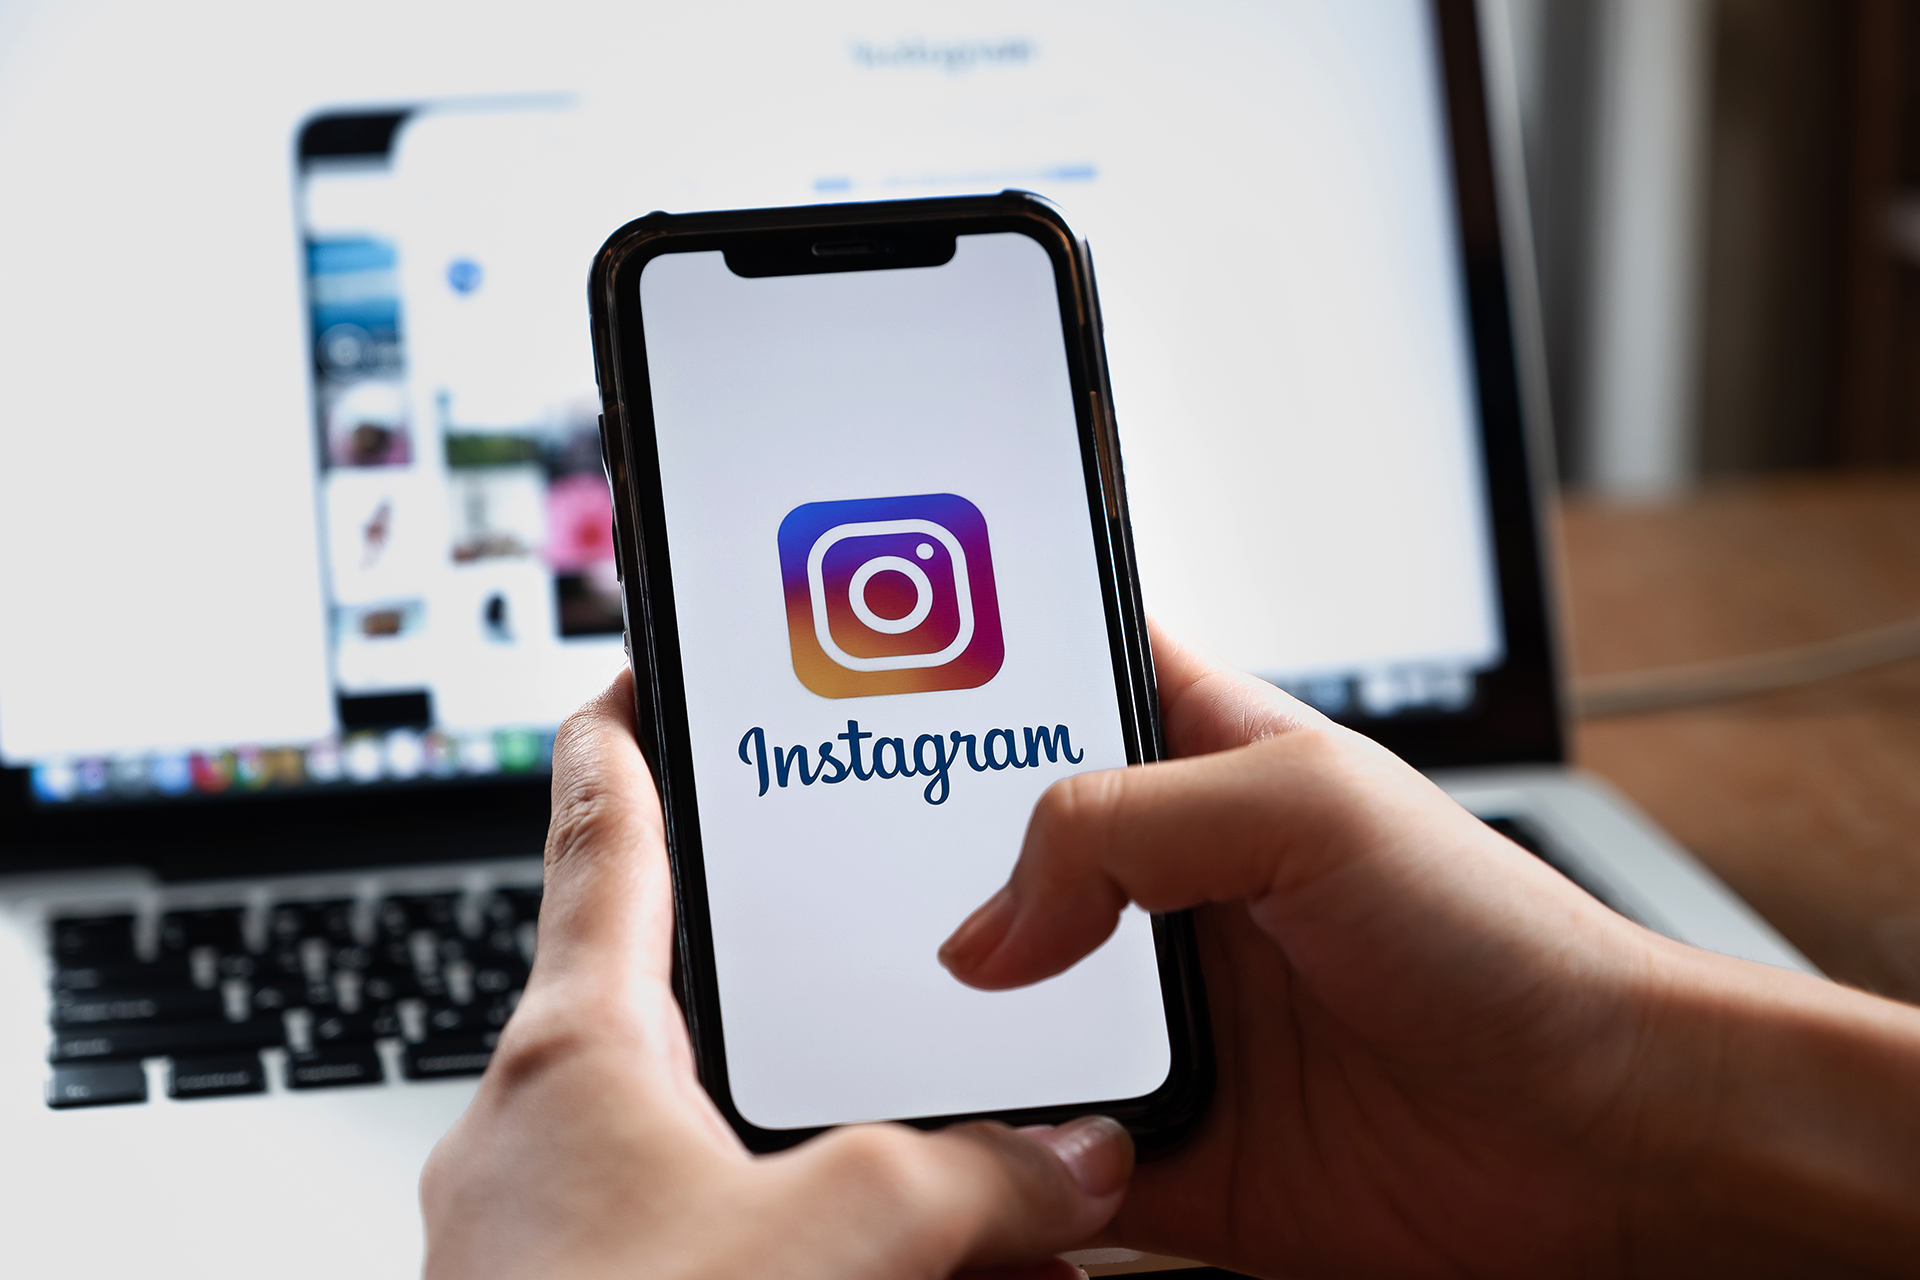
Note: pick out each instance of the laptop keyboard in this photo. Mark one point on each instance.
(341, 988)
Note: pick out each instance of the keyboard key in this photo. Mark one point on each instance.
(496, 979)
(390, 955)
(386, 1021)
(273, 995)
(400, 916)
(354, 958)
(355, 1028)
(507, 920)
(500, 944)
(93, 938)
(125, 975)
(97, 1086)
(429, 986)
(152, 1041)
(423, 950)
(290, 921)
(280, 963)
(127, 1007)
(494, 1012)
(335, 1065)
(444, 1019)
(525, 901)
(453, 1056)
(219, 928)
(216, 1077)
(386, 987)
(498, 911)
(390, 919)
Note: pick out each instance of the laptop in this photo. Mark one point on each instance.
(305, 545)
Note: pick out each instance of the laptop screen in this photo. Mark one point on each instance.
(304, 490)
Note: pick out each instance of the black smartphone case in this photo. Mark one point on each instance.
(861, 237)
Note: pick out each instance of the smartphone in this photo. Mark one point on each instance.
(879, 588)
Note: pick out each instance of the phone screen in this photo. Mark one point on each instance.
(894, 638)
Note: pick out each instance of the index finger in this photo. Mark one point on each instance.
(1208, 706)
(1270, 823)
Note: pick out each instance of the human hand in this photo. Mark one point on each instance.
(1435, 1055)
(592, 1150)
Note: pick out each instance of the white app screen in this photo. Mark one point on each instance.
(894, 641)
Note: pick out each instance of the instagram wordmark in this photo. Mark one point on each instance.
(932, 756)
(890, 595)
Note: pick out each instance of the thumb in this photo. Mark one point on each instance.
(608, 904)
(973, 1195)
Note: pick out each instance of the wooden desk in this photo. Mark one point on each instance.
(1807, 801)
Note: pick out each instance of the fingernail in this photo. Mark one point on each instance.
(979, 933)
(1098, 1151)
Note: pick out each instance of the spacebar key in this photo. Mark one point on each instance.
(147, 1041)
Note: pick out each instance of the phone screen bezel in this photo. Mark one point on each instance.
(1157, 1118)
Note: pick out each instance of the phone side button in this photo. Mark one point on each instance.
(606, 460)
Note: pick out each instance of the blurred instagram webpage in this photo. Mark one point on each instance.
(830, 897)
(1294, 386)
(1294, 390)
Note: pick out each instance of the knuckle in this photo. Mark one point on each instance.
(1347, 762)
(534, 1043)
(1039, 1176)
(1052, 813)
(1063, 809)
(885, 1163)
(579, 810)
(576, 735)
(1085, 791)
(436, 1180)
(596, 789)
(938, 1197)
(448, 1182)
(1071, 821)
(1315, 751)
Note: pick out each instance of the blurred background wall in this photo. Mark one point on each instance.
(1726, 203)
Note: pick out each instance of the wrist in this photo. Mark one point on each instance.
(1776, 1124)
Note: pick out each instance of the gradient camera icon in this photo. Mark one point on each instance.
(890, 595)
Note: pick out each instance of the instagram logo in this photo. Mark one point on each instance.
(890, 595)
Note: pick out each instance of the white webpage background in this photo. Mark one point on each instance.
(1269, 209)
(160, 566)
(829, 901)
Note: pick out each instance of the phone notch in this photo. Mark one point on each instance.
(813, 253)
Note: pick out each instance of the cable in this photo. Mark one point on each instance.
(1697, 682)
